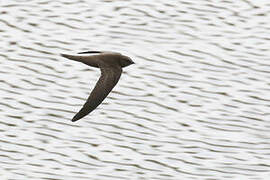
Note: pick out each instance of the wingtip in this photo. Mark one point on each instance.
(74, 119)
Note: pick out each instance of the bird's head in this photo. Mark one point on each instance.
(125, 61)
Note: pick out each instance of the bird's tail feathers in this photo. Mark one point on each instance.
(75, 58)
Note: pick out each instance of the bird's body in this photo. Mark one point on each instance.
(110, 64)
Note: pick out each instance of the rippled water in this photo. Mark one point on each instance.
(194, 106)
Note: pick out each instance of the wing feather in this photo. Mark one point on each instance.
(108, 79)
(89, 52)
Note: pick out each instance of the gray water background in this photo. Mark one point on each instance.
(194, 106)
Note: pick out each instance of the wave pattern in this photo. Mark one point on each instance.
(195, 105)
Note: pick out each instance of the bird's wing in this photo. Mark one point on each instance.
(89, 52)
(108, 79)
(98, 52)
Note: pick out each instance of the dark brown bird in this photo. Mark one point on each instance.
(110, 64)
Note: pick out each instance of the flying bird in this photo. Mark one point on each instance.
(110, 64)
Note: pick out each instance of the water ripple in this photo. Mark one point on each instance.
(194, 106)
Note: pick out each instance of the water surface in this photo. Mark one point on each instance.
(194, 106)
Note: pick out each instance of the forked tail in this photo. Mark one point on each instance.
(75, 58)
